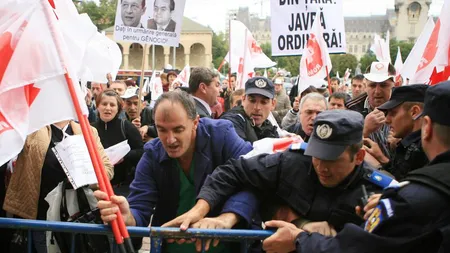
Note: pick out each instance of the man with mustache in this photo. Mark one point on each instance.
(175, 166)
(250, 119)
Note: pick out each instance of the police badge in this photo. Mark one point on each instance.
(324, 131)
(260, 83)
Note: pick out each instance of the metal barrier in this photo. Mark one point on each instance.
(157, 234)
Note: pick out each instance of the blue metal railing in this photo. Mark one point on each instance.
(157, 234)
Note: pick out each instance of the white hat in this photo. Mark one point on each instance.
(278, 81)
(379, 72)
(131, 92)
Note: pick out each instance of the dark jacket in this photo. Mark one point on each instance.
(155, 189)
(201, 110)
(289, 176)
(413, 218)
(357, 104)
(298, 130)
(116, 131)
(244, 126)
(151, 24)
(408, 156)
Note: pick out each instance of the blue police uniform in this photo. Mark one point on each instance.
(289, 177)
(412, 218)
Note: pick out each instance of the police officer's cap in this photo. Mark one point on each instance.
(334, 131)
(408, 93)
(437, 103)
(261, 86)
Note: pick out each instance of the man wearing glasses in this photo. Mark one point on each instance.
(132, 11)
(162, 16)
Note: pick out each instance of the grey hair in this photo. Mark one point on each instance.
(314, 96)
(181, 97)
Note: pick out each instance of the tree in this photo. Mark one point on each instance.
(290, 63)
(102, 15)
(366, 60)
(219, 50)
(342, 62)
(405, 49)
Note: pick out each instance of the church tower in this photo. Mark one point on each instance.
(411, 17)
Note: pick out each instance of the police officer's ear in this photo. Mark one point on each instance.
(415, 111)
(427, 129)
(359, 157)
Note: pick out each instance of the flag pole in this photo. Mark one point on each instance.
(241, 83)
(118, 226)
(141, 83)
(329, 82)
(229, 52)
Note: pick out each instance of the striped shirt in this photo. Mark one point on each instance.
(381, 135)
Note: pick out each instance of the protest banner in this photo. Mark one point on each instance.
(156, 22)
(291, 22)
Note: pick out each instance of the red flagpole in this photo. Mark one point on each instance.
(118, 226)
(329, 82)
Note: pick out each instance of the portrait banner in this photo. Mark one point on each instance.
(156, 22)
(291, 22)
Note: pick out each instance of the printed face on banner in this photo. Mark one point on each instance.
(291, 23)
(132, 11)
(155, 22)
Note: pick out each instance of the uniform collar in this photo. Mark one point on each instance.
(441, 158)
(411, 138)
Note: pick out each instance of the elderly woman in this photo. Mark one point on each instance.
(113, 130)
(37, 172)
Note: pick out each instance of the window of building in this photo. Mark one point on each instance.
(350, 48)
(363, 48)
(355, 49)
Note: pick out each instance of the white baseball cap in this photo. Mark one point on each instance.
(379, 72)
(131, 92)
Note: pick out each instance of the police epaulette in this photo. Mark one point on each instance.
(380, 179)
(298, 146)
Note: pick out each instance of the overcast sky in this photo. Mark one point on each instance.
(213, 12)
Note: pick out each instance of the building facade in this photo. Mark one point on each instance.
(195, 49)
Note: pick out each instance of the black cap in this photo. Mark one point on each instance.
(407, 93)
(437, 103)
(334, 131)
(261, 86)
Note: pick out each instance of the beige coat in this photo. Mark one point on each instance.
(22, 195)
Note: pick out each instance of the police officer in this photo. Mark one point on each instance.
(322, 191)
(250, 119)
(402, 111)
(412, 217)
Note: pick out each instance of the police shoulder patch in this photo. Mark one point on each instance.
(382, 212)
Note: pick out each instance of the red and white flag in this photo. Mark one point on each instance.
(33, 90)
(441, 70)
(414, 58)
(184, 76)
(315, 60)
(246, 54)
(380, 47)
(398, 65)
